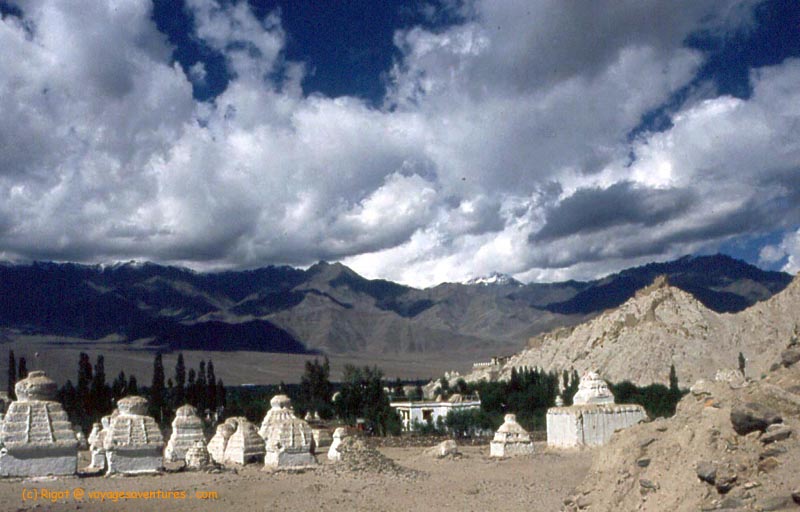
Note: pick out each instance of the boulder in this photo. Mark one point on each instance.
(790, 356)
(776, 432)
(444, 449)
(725, 480)
(751, 417)
(706, 472)
(701, 388)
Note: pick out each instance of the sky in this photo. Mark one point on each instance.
(421, 142)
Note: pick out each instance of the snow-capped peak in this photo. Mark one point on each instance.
(494, 278)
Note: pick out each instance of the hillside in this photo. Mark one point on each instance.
(663, 325)
(719, 452)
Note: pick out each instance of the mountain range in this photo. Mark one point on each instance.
(329, 308)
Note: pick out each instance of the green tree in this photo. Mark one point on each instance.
(157, 389)
(119, 387)
(202, 387)
(362, 396)
(221, 394)
(68, 396)
(23, 368)
(443, 388)
(180, 382)
(211, 392)
(316, 389)
(191, 388)
(397, 390)
(461, 386)
(470, 423)
(85, 410)
(99, 393)
(12, 374)
(133, 386)
(569, 391)
(742, 363)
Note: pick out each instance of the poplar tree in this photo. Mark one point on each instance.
(221, 394)
(23, 368)
(191, 388)
(157, 389)
(211, 384)
(99, 393)
(180, 381)
(84, 383)
(202, 402)
(119, 387)
(133, 386)
(12, 373)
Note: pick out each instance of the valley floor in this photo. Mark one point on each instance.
(474, 482)
(59, 358)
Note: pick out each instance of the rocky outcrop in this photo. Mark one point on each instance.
(725, 448)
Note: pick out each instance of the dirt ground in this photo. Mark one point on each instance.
(473, 482)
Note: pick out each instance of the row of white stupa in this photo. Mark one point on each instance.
(37, 439)
(590, 421)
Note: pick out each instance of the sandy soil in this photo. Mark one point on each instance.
(473, 482)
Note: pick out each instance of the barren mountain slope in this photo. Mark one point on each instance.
(663, 325)
(701, 459)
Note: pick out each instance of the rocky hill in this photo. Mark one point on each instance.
(664, 325)
(732, 445)
(330, 308)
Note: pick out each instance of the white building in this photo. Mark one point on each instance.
(424, 411)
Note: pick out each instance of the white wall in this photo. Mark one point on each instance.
(590, 425)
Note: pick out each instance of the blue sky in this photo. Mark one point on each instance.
(416, 141)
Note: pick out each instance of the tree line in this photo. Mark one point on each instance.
(92, 397)
(360, 398)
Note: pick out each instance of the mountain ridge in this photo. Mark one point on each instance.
(331, 308)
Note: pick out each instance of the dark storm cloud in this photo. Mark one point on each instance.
(594, 209)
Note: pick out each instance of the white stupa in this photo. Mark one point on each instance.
(187, 428)
(592, 418)
(244, 444)
(217, 444)
(338, 435)
(36, 437)
(289, 441)
(133, 441)
(510, 439)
